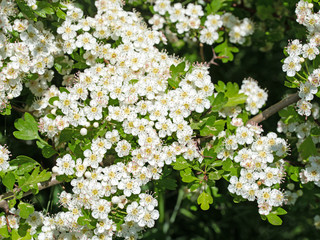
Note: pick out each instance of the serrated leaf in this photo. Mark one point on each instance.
(9, 180)
(28, 128)
(225, 50)
(204, 200)
(25, 209)
(35, 178)
(220, 87)
(274, 219)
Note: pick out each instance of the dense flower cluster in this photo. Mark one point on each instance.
(257, 97)
(26, 49)
(299, 53)
(188, 19)
(121, 104)
(261, 172)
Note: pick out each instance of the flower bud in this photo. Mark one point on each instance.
(96, 124)
(83, 131)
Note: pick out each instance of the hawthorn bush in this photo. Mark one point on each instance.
(143, 119)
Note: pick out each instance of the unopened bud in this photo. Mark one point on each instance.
(83, 131)
(96, 124)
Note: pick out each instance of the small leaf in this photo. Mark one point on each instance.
(28, 128)
(9, 180)
(308, 148)
(25, 209)
(48, 151)
(219, 101)
(180, 164)
(280, 211)
(274, 219)
(204, 200)
(61, 14)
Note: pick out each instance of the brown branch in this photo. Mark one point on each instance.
(275, 108)
(41, 186)
(202, 53)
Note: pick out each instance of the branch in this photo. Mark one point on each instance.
(41, 186)
(275, 108)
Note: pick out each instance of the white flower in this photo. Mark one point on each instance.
(291, 65)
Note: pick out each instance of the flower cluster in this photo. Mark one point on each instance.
(4, 157)
(27, 52)
(299, 53)
(188, 19)
(261, 172)
(121, 109)
(257, 97)
(301, 129)
(311, 173)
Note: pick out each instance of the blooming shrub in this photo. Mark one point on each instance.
(114, 116)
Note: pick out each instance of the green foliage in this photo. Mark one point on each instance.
(225, 50)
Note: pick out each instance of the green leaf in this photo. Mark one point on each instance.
(53, 99)
(133, 81)
(80, 65)
(25, 209)
(236, 99)
(215, 175)
(215, 6)
(66, 135)
(25, 164)
(176, 72)
(226, 51)
(48, 151)
(204, 200)
(28, 128)
(220, 87)
(34, 179)
(180, 164)
(280, 211)
(315, 131)
(167, 183)
(61, 14)
(4, 231)
(308, 148)
(9, 180)
(25, 9)
(274, 219)
(219, 101)
(187, 176)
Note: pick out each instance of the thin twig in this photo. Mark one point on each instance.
(41, 186)
(275, 108)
